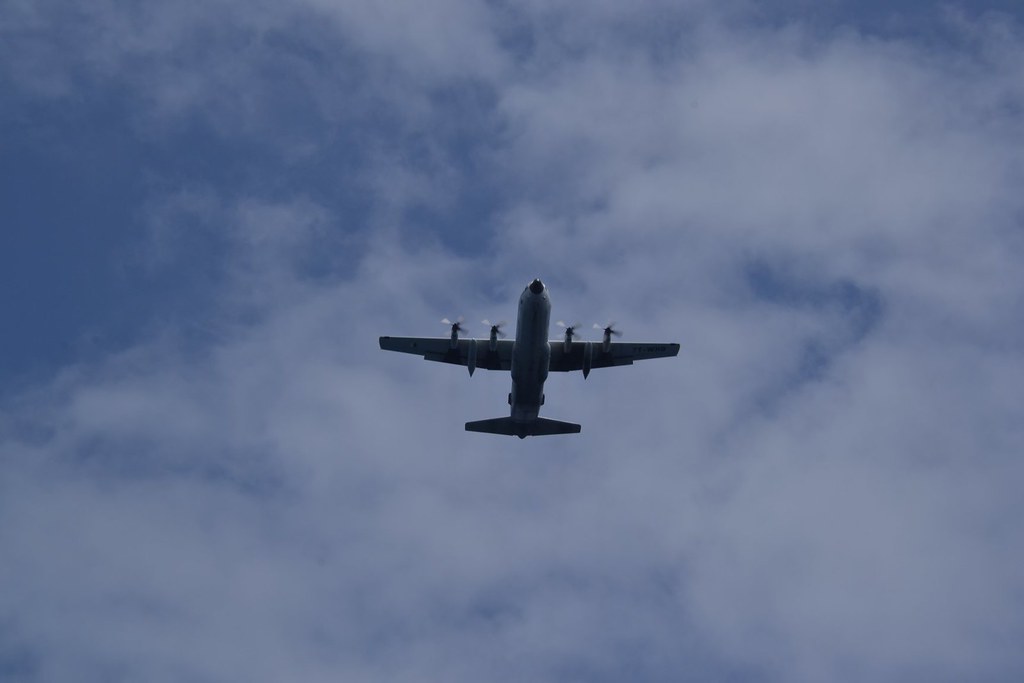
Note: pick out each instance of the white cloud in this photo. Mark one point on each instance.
(822, 487)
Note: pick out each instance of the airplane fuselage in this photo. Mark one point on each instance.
(531, 354)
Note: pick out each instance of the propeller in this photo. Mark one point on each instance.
(608, 330)
(457, 327)
(570, 330)
(496, 327)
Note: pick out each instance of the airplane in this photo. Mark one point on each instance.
(529, 358)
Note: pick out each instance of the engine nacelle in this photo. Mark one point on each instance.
(471, 361)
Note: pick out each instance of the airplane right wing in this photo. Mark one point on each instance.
(618, 353)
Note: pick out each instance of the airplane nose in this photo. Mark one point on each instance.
(537, 286)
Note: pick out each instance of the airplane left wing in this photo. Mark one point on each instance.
(618, 353)
(472, 353)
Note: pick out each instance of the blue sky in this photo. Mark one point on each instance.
(211, 210)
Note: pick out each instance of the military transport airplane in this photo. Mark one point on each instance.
(530, 357)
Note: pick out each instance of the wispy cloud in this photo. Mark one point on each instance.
(822, 487)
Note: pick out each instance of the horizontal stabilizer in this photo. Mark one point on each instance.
(536, 427)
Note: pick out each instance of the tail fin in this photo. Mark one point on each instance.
(537, 427)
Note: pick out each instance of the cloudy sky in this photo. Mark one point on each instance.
(209, 210)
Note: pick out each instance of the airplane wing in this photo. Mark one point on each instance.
(439, 349)
(618, 353)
